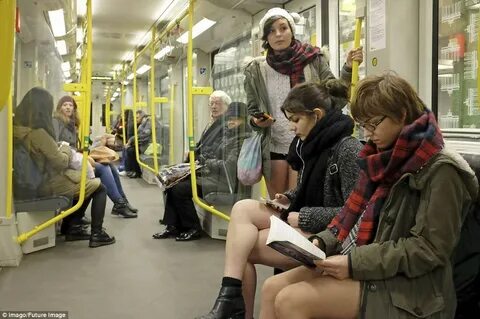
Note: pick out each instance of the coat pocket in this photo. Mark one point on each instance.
(417, 296)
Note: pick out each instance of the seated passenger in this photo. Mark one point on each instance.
(320, 127)
(389, 249)
(144, 133)
(33, 126)
(65, 124)
(218, 175)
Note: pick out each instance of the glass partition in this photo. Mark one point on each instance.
(458, 26)
(305, 29)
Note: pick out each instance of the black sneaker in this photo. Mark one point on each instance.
(77, 232)
(100, 238)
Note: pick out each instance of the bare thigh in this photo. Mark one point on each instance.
(321, 297)
(252, 212)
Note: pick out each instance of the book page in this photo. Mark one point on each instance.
(288, 241)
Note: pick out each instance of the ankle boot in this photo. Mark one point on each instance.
(120, 208)
(229, 305)
(133, 209)
(100, 238)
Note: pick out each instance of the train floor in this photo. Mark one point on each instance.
(137, 277)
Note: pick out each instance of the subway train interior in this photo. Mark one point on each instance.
(129, 89)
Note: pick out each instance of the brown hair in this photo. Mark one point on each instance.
(305, 97)
(59, 115)
(386, 94)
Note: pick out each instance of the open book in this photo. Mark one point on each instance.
(288, 241)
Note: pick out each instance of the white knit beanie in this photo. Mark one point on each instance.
(291, 17)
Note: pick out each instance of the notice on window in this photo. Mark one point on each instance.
(377, 30)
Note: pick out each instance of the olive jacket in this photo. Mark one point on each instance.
(53, 161)
(406, 271)
(257, 96)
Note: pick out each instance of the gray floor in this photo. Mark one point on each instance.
(138, 277)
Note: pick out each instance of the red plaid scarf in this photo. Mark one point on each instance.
(417, 143)
(292, 60)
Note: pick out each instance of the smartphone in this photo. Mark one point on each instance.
(262, 116)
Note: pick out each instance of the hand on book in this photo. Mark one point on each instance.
(335, 266)
(293, 219)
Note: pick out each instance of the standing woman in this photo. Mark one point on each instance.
(321, 129)
(65, 124)
(267, 83)
(390, 247)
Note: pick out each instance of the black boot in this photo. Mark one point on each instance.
(77, 232)
(133, 209)
(229, 305)
(100, 238)
(120, 208)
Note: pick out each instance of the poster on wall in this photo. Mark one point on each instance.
(377, 29)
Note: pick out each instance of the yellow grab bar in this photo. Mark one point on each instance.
(356, 44)
(108, 129)
(170, 134)
(7, 29)
(122, 109)
(191, 139)
(86, 79)
(9, 194)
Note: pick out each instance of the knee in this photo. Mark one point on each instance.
(271, 288)
(242, 209)
(286, 303)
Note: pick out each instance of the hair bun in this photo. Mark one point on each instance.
(337, 88)
(296, 17)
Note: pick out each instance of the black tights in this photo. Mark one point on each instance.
(99, 198)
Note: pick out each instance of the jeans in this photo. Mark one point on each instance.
(108, 175)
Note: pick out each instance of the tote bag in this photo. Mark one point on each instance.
(249, 163)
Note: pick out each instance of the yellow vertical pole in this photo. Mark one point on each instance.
(122, 109)
(170, 126)
(356, 44)
(108, 128)
(9, 193)
(7, 39)
(152, 102)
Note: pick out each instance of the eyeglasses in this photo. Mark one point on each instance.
(371, 127)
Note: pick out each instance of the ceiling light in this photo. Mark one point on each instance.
(197, 29)
(65, 66)
(166, 50)
(112, 99)
(117, 90)
(57, 21)
(144, 68)
(61, 47)
(115, 94)
(117, 67)
(130, 76)
(128, 56)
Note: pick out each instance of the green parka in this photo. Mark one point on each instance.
(53, 161)
(257, 95)
(406, 272)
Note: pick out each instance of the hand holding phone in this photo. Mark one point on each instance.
(262, 116)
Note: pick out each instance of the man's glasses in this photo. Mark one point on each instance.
(371, 127)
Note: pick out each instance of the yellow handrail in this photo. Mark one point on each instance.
(9, 194)
(191, 140)
(170, 134)
(355, 64)
(7, 29)
(122, 109)
(108, 128)
(86, 85)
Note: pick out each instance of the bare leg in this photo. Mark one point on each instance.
(249, 285)
(321, 297)
(247, 219)
(273, 285)
(278, 182)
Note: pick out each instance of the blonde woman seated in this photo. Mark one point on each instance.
(389, 248)
(320, 127)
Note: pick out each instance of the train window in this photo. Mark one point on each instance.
(305, 28)
(458, 104)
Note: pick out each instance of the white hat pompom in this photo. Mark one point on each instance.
(292, 18)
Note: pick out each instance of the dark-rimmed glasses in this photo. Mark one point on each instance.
(371, 127)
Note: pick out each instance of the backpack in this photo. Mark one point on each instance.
(27, 177)
(333, 168)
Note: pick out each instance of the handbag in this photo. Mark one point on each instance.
(249, 171)
(103, 154)
(171, 175)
